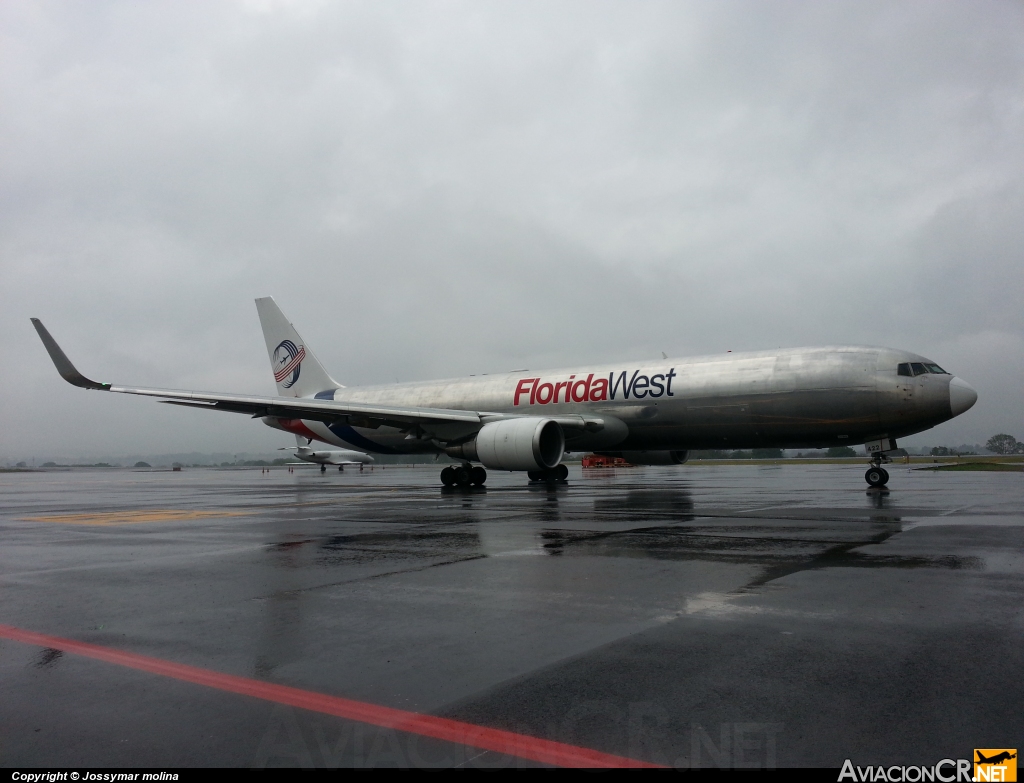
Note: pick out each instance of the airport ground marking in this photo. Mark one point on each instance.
(469, 734)
(140, 516)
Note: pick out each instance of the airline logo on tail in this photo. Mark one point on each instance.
(288, 361)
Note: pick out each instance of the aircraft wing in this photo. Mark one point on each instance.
(457, 424)
(356, 414)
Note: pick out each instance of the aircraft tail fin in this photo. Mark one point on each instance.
(297, 371)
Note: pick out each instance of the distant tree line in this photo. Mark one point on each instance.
(75, 465)
(835, 451)
(738, 454)
(997, 444)
(254, 463)
(1004, 444)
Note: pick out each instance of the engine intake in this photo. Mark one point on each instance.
(651, 457)
(515, 444)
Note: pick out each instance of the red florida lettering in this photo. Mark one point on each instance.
(577, 396)
(591, 389)
(524, 387)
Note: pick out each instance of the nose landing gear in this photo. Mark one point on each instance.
(877, 476)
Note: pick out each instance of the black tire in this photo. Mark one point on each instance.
(323, 468)
(535, 475)
(561, 472)
(876, 477)
(448, 476)
(341, 468)
(478, 476)
(462, 477)
(885, 476)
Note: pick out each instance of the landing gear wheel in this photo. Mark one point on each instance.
(557, 473)
(876, 477)
(448, 476)
(341, 468)
(462, 477)
(478, 476)
(323, 468)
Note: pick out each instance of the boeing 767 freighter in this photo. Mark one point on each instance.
(647, 413)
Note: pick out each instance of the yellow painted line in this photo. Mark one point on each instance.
(105, 519)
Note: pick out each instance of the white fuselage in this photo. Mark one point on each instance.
(326, 457)
(793, 398)
(648, 412)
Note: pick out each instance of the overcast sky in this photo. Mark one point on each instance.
(436, 189)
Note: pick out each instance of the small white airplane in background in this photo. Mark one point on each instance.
(323, 458)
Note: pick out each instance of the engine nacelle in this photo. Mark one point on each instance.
(654, 457)
(515, 444)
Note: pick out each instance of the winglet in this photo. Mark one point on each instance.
(64, 366)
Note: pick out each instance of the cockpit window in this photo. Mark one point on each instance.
(911, 369)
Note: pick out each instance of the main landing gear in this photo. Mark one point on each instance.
(466, 475)
(323, 468)
(463, 476)
(557, 473)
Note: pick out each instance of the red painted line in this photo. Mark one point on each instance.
(505, 742)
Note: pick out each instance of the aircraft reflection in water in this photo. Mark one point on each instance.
(647, 413)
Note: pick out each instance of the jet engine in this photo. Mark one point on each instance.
(515, 444)
(652, 457)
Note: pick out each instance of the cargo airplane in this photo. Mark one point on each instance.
(648, 413)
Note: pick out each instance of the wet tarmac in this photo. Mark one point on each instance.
(698, 616)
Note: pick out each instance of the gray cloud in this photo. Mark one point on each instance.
(432, 189)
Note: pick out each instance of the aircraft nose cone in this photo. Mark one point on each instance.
(961, 396)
